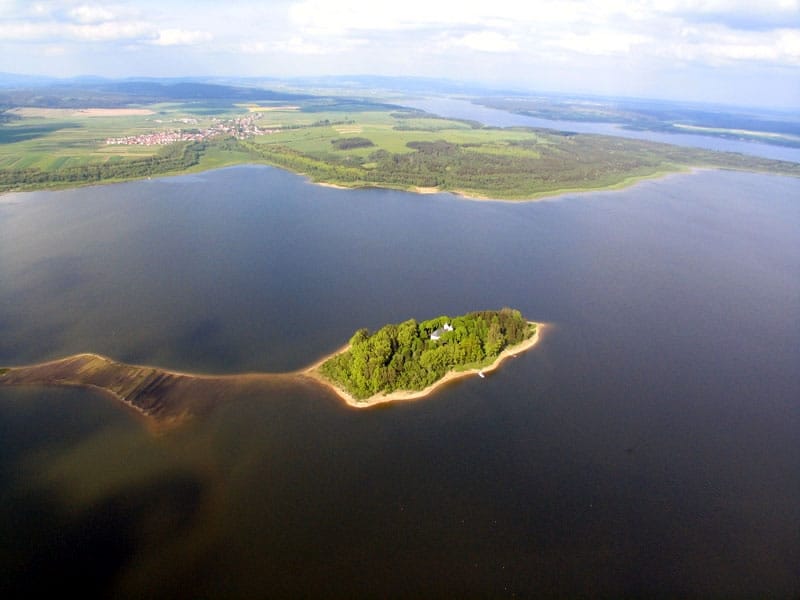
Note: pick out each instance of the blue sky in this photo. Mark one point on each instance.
(731, 51)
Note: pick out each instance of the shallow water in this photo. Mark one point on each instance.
(647, 445)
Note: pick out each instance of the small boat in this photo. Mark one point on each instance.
(481, 375)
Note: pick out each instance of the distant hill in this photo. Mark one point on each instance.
(414, 85)
(75, 93)
(16, 80)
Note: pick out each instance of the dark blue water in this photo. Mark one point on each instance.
(648, 445)
(463, 109)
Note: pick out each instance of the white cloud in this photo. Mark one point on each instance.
(387, 15)
(483, 41)
(776, 47)
(720, 46)
(39, 9)
(181, 37)
(253, 47)
(767, 7)
(380, 15)
(302, 46)
(600, 43)
(755, 15)
(86, 13)
(501, 38)
(108, 32)
(299, 45)
(543, 28)
(788, 43)
(24, 31)
(53, 51)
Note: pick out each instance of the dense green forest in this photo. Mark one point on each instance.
(405, 357)
(351, 143)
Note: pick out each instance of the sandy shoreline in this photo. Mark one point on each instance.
(329, 185)
(313, 373)
(541, 196)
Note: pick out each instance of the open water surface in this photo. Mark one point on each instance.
(650, 445)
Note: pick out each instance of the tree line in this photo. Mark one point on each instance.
(351, 143)
(175, 157)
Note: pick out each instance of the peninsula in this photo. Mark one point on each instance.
(419, 358)
(47, 143)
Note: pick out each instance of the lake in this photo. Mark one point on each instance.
(463, 109)
(649, 445)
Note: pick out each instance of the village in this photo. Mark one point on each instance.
(241, 128)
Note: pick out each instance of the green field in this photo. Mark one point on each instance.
(50, 139)
(347, 144)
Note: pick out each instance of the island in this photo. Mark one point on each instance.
(397, 362)
(410, 359)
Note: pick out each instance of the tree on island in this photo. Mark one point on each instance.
(404, 357)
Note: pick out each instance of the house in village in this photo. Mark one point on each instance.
(441, 331)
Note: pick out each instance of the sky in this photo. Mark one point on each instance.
(744, 52)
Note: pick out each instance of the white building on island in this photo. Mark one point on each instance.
(440, 332)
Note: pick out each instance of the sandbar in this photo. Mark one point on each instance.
(331, 185)
(169, 398)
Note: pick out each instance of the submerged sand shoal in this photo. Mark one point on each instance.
(314, 373)
(169, 398)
